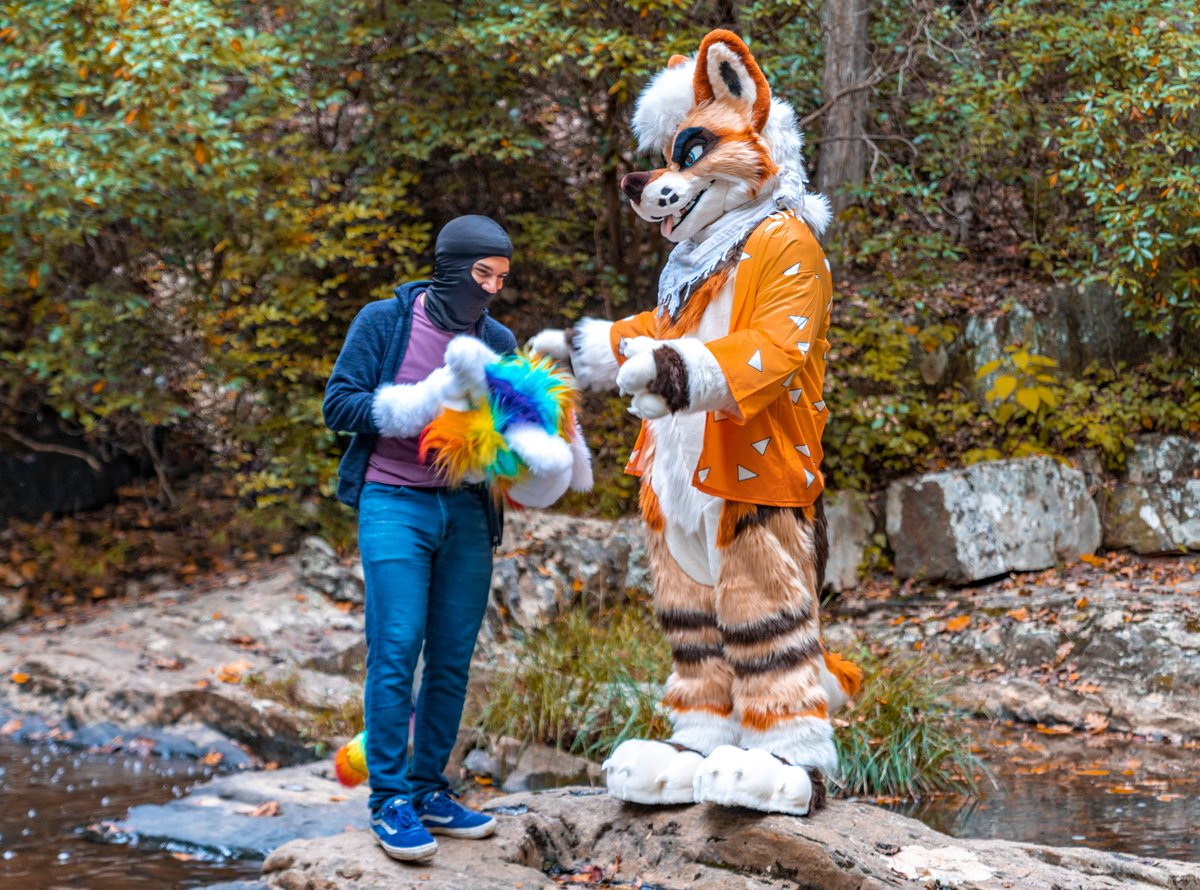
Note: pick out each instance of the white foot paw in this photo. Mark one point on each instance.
(754, 778)
(652, 773)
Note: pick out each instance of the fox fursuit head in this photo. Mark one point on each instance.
(727, 373)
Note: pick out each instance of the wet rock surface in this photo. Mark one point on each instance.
(580, 832)
(1080, 647)
(176, 660)
(245, 815)
(966, 525)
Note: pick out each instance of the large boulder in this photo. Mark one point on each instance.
(1155, 507)
(991, 518)
(581, 836)
(851, 526)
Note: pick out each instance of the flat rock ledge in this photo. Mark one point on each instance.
(848, 846)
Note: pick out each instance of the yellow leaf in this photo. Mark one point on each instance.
(1021, 614)
(956, 624)
(1005, 384)
(201, 154)
(98, 386)
(1091, 559)
(221, 245)
(130, 117)
(1091, 772)
(1028, 399)
(236, 45)
(34, 278)
(987, 369)
(20, 679)
(80, 108)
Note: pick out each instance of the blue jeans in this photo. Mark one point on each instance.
(427, 559)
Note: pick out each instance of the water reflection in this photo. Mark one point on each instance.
(51, 792)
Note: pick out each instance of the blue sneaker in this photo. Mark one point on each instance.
(442, 814)
(400, 833)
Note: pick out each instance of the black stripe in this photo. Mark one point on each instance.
(788, 658)
(759, 631)
(694, 653)
(685, 619)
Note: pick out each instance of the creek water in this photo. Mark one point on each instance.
(1115, 793)
(51, 793)
(1109, 792)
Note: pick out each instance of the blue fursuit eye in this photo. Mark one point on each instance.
(694, 154)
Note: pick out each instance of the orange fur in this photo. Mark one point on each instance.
(652, 513)
(703, 88)
(732, 512)
(848, 674)
(693, 311)
(761, 721)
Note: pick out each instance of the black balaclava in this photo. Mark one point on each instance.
(454, 300)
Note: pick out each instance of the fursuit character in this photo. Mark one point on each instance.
(727, 375)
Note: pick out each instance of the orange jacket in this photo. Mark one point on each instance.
(774, 362)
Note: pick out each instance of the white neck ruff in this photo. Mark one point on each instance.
(694, 260)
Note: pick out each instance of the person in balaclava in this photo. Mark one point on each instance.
(426, 548)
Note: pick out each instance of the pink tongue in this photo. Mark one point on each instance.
(667, 225)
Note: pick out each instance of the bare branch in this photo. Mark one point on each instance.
(49, 448)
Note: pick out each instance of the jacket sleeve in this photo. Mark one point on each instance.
(644, 324)
(350, 392)
(791, 298)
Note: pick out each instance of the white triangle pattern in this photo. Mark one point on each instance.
(744, 474)
(756, 360)
(761, 445)
(633, 454)
(745, 256)
(803, 449)
(820, 406)
(702, 475)
(804, 348)
(792, 270)
(788, 382)
(808, 478)
(799, 320)
(795, 394)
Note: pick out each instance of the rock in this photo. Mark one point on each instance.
(1155, 507)
(1076, 327)
(850, 528)
(245, 815)
(1002, 516)
(12, 607)
(1135, 653)
(551, 562)
(580, 832)
(177, 661)
(321, 570)
(535, 767)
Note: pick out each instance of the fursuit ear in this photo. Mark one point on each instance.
(726, 72)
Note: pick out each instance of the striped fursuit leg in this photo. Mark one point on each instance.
(698, 693)
(768, 610)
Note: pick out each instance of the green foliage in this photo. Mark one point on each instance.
(1067, 134)
(584, 684)
(899, 739)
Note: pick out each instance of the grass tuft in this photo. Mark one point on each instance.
(900, 739)
(589, 681)
(584, 684)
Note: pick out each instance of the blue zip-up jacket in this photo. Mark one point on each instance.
(370, 358)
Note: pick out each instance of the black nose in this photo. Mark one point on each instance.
(633, 183)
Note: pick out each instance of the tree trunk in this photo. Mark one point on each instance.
(843, 157)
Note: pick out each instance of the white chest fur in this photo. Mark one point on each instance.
(678, 440)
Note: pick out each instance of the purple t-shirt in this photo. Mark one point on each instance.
(396, 461)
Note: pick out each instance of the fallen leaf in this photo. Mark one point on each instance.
(1095, 722)
(1091, 772)
(267, 808)
(1020, 614)
(1121, 789)
(1063, 651)
(20, 678)
(1091, 559)
(956, 624)
(1056, 729)
(212, 758)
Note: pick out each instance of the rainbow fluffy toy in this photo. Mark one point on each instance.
(350, 762)
(517, 428)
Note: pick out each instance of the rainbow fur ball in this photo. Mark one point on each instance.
(524, 390)
(350, 762)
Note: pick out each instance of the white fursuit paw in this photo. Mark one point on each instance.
(757, 779)
(468, 358)
(638, 372)
(551, 342)
(653, 773)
